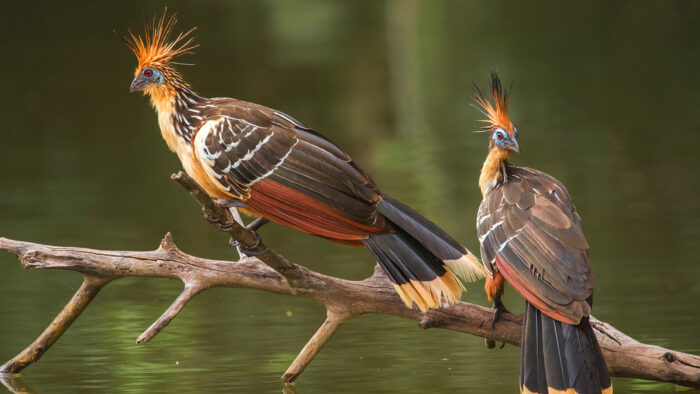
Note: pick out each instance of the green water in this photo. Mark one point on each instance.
(605, 98)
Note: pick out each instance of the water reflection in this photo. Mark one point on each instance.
(604, 100)
(290, 389)
(15, 384)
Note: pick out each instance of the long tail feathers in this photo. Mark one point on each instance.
(417, 275)
(422, 261)
(559, 357)
(458, 259)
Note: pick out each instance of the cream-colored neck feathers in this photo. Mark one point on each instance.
(494, 168)
(163, 100)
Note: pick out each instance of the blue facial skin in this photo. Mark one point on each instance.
(145, 78)
(501, 139)
(155, 76)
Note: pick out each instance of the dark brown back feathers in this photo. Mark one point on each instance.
(529, 222)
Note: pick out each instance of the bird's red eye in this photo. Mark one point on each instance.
(499, 136)
(148, 72)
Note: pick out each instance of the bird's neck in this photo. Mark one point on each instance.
(177, 116)
(494, 169)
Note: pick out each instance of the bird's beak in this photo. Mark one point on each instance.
(512, 144)
(139, 83)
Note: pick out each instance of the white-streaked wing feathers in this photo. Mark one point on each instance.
(237, 153)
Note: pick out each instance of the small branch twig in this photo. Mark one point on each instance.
(344, 300)
(32, 353)
(323, 334)
(191, 290)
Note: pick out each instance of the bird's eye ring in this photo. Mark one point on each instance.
(499, 135)
(148, 72)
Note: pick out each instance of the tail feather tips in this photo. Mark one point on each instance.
(417, 275)
(468, 267)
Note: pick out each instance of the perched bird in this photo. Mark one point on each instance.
(531, 237)
(270, 165)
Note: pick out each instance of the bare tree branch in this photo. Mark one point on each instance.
(190, 291)
(344, 299)
(323, 334)
(32, 353)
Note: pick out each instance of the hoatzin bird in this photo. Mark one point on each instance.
(531, 237)
(270, 165)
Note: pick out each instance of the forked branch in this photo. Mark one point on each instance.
(344, 299)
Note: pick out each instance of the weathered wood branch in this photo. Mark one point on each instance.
(85, 294)
(333, 322)
(343, 299)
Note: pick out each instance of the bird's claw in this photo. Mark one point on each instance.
(498, 310)
(225, 227)
(249, 251)
(252, 250)
(490, 344)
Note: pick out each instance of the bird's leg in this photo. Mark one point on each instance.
(232, 204)
(237, 217)
(494, 290)
(498, 309)
(257, 223)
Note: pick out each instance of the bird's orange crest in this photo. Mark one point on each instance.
(497, 113)
(154, 48)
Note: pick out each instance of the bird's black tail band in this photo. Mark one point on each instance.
(460, 261)
(560, 356)
(417, 275)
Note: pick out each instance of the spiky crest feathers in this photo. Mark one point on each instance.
(494, 168)
(155, 49)
(497, 114)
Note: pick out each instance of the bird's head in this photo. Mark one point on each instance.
(156, 74)
(503, 135)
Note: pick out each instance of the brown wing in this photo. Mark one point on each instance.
(529, 230)
(285, 171)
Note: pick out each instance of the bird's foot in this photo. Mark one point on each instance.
(249, 251)
(498, 310)
(227, 204)
(490, 344)
(225, 227)
(252, 250)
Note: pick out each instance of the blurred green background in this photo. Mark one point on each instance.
(605, 98)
